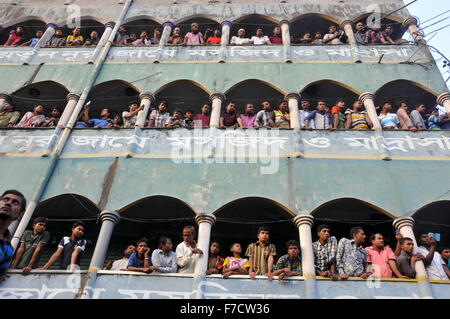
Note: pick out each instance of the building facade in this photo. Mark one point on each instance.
(139, 181)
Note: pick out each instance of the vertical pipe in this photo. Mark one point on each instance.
(49, 32)
(103, 40)
(292, 99)
(286, 36)
(225, 40)
(216, 100)
(146, 101)
(168, 26)
(368, 100)
(304, 223)
(347, 26)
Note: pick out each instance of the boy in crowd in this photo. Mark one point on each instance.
(264, 117)
(188, 118)
(175, 120)
(235, 265)
(159, 117)
(140, 260)
(31, 244)
(445, 254)
(406, 261)
(53, 120)
(130, 116)
(215, 262)
(289, 264)
(123, 262)
(164, 259)
(70, 248)
(324, 250)
(261, 254)
(203, 119)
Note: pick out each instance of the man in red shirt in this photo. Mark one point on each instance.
(16, 37)
(276, 37)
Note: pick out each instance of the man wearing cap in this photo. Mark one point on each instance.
(240, 39)
(194, 37)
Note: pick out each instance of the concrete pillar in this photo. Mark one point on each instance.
(49, 32)
(347, 26)
(13, 226)
(167, 30)
(225, 40)
(72, 100)
(411, 25)
(216, 99)
(109, 26)
(443, 99)
(205, 222)
(304, 223)
(405, 225)
(292, 99)
(286, 36)
(368, 100)
(146, 100)
(109, 220)
(3, 99)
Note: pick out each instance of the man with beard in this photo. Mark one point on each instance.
(92, 40)
(76, 39)
(122, 37)
(324, 250)
(357, 119)
(15, 38)
(31, 244)
(230, 118)
(9, 116)
(122, 263)
(248, 119)
(33, 119)
(12, 207)
(57, 40)
(435, 266)
(194, 37)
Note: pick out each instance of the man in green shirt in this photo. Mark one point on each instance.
(31, 244)
(9, 116)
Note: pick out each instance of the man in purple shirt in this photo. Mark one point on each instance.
(203, 119)
(194, 37)
(248, 119)
(230, 118)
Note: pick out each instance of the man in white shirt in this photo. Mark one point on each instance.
(240, 38)
(123, 262)
(333, 36)
(434, 264)
(260, 38)
(186, 251)
(130, 117)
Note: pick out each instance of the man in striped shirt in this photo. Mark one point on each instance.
(357, 119)
(264, 117)
(324, 251)
(261, 254)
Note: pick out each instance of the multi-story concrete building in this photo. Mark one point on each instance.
(127, 183)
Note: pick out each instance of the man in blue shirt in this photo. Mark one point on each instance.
(102, 122)
(34, 41)
(12, 207)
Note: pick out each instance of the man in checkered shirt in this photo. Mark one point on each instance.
(325, 253)
(159, 117)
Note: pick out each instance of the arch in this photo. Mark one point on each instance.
(160, 202)
(405, 90)
(198, 16)
(256, 200)
(320, 15)
(256, 80)
(260, 16)
(365, 203)
(431, 211)
(115, 94)
(70, 204)
(45, 92)
(23, 19)
(251, 22)
(101, 21)
(141, 17)
(329, 91)
(337, 83)
(435, 218)
(183, 94)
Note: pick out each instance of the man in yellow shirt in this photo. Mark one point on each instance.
(76, 39)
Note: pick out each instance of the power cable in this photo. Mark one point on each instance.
(441, 14)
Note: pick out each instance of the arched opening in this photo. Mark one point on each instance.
(251, 22)
(183, 94)
(150, 217)
(87, 25)
(396, 23)
(434, 218)
(329, 91)
(49, 94)
(139, 24)
(114, 95)
(255, 92)
(239, 220)
(205, 25)
(406, 91)
(30, 27)
(344, 213)
(62, 211)
(311, 23)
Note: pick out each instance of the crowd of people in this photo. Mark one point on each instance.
(363, 34)
(339, 117)
(332, 259)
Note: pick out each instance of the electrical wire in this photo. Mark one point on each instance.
(441, 14)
